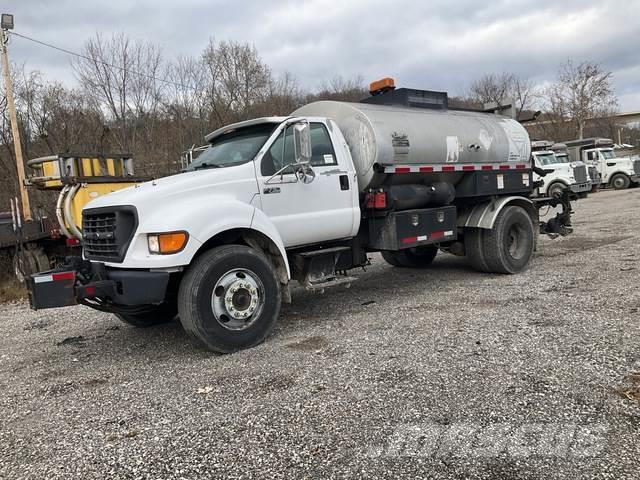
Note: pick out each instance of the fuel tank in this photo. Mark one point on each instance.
(381, 135)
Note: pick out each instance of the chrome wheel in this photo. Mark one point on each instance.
(238, 299)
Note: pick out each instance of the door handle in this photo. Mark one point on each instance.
(344, 182)
(268, 190)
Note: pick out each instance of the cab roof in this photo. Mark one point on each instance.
(246, 123)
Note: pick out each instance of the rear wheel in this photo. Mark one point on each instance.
(162, 314)
(509, 245)
(620, 181)
(32, 260)
(229, 298)
(417, 257)
(473, 247)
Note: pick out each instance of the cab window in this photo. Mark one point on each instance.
(592, 155)
(282, 153)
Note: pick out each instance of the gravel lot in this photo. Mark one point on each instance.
(438, 373)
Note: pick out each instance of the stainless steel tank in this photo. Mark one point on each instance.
(394, 135)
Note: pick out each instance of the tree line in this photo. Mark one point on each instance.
(129, 98)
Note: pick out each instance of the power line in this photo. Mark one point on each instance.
(79, 55)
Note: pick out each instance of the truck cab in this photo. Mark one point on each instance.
(617, 173)
(560, 173)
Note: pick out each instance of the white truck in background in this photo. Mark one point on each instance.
(306, 197)
(562, 154)
(618, 173)
(560, 172)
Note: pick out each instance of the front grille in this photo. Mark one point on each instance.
(107, 232)
(580, 173)
(636, 167)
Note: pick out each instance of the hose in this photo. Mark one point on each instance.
(67, 211)
(59, 213)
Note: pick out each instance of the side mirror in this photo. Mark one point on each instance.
(302, 142)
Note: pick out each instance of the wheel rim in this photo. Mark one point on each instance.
(516, 242)
(618, 182)
(237, 299)
(556, 191)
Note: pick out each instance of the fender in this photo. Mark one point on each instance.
(484, 215)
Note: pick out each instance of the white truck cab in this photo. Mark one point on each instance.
(560, 173)
(618, 173)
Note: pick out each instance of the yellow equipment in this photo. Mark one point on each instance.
(80, 179)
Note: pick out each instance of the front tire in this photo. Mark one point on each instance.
(555, 190)
(417, 257)
(620, 181)
(229, 299)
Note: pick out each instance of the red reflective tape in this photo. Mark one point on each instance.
(90, 291)
(468, 167)
(504, 167)
(410, 240)
(403, 170)
(426, 169)
(487, 167)
(436, 235)
(448, 169)
(63, 276)
(521, 166)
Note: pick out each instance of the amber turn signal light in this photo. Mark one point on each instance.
(167, 243)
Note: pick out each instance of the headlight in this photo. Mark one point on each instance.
(167, 243)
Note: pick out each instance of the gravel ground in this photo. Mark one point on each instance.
(437, 373)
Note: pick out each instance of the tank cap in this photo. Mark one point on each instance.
(381, 86)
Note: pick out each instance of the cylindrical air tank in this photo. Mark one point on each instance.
(394, 135)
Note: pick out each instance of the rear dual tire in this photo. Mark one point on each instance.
(417, 257)
(505, 248)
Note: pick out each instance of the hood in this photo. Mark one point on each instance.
(218, 181)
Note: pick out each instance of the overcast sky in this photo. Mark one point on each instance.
(431, 44)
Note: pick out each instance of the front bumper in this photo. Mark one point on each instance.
(580, 187)
(635, 178)
(93, 284)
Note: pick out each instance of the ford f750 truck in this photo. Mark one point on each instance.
(306, 197)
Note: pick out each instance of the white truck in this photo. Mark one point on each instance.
(618, 173)
(306, 198)
(560, 172)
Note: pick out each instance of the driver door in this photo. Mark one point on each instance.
(314, 212)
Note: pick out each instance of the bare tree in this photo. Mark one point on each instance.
(120, 76)
(582, 91)
(503, 88)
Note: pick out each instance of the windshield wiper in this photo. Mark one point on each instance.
(204, 165)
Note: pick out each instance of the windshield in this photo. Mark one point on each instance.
(547, 158)
(562, 158)
(233, 148)
(607, 154)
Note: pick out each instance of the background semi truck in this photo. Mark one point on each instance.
(560, 172)
(306, 198)
(618, 173)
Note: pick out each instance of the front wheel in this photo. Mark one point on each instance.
(417, 257)
(555, 190)
(620, 181)
(229, 299)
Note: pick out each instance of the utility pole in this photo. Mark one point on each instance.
(7, 24)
